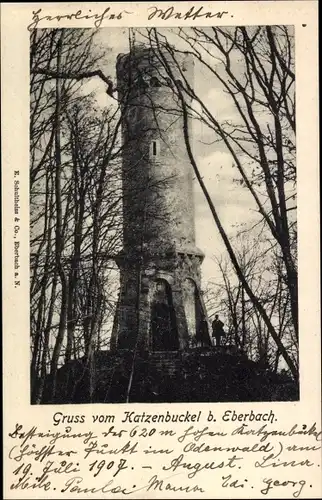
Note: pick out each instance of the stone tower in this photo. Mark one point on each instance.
(160, 306)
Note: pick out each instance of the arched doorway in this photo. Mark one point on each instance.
(163, 321)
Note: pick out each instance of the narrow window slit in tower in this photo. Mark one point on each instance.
(154, 148)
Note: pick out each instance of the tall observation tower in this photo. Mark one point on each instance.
(160, 307)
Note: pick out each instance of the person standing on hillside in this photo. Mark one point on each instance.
(217, 330)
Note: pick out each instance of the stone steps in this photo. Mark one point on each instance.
(168, 363)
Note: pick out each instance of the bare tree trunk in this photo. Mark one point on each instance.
(229, 248)
(243, 316)
(59, 235)
(79, 195)
(43, 374)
